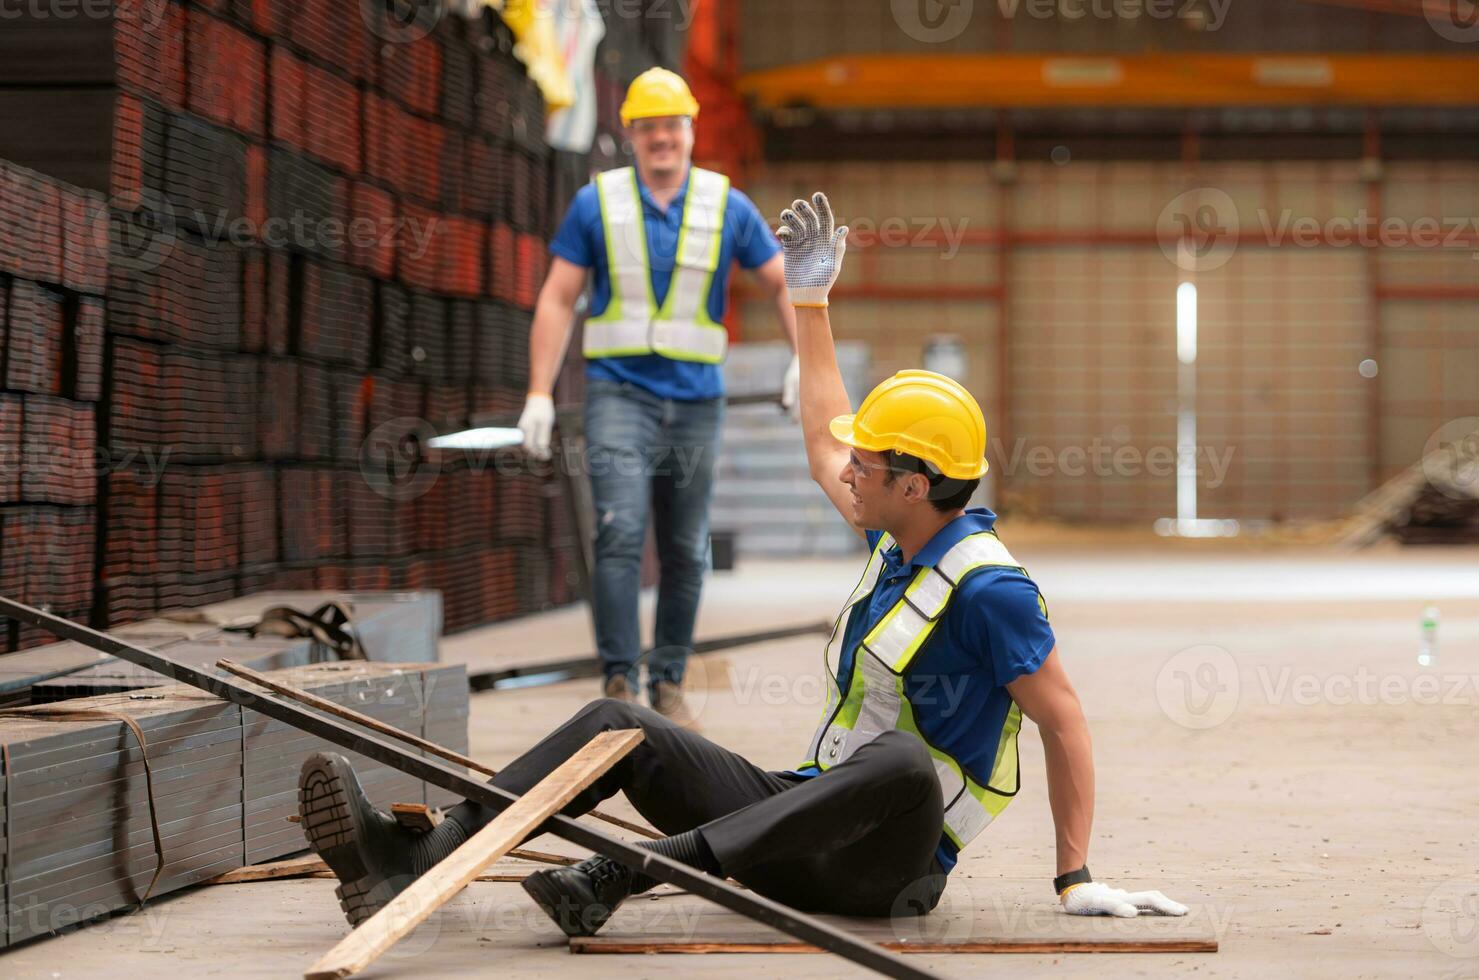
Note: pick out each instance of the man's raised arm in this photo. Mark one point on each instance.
(814, 251)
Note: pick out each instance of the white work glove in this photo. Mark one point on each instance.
(791, 388)
(537, 423)
(1097, 898)
(814, 250)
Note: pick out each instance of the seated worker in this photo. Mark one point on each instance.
(938, 653)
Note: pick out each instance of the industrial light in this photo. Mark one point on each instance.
(1186, 524)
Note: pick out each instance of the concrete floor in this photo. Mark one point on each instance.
(1268, 752)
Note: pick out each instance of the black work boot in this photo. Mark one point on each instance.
(582, 897)
(371, 854)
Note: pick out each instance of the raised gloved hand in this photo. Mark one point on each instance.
(814, 250)
(1097, 898)
(791, 388)
(537, 423)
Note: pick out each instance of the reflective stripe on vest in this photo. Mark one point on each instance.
(632, 323)
(876, 701)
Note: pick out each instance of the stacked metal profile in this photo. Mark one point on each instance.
(764, 493)
(53, 271)
(75, 830)
(324, 235)
(399, 627)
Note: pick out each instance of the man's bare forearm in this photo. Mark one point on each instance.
(823, 395)
(1069, 755)
(553, 319)
(786, 314)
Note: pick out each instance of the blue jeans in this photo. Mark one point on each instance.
(649, 454)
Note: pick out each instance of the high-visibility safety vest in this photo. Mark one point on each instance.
(633, 323)
(875, 700)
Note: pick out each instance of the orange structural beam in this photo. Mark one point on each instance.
(946, 81)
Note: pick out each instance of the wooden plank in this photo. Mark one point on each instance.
(416, 816)
(349, 714)
(294, 867)
(435, 888)
(963, 923)
(599, 944)
(806, 928)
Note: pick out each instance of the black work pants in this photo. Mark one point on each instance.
(859, 839)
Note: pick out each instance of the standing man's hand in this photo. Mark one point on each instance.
(814, 250)
(791, 388)
(1097, 898)
(537, 423)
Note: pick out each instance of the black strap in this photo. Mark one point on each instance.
(330, 624)
(1079, 877)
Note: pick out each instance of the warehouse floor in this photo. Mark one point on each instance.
(1265, 755)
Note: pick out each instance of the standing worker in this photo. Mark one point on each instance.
(659, 240)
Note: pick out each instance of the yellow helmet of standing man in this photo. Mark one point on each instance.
(658, 92)
(922, 414)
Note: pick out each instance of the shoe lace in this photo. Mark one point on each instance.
(605, 870)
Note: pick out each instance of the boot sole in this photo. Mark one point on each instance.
(329, 824)
(550, 900)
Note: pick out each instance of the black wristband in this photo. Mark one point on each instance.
(1079, 877)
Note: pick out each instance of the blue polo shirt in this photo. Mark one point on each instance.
(994, 630)
(747, 239)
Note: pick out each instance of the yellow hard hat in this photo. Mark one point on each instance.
(658, 92)
(922, 414)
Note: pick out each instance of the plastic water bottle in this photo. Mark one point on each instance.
(1427, 650)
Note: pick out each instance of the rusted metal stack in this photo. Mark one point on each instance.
(318, 232)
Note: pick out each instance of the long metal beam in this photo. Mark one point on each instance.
(1161, 79)
(438, 773)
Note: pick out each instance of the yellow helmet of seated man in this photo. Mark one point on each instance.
(921, 414)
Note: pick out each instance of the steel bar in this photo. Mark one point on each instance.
(761, 909)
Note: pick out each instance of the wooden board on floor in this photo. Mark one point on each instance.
(686, 925)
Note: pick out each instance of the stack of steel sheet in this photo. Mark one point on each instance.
(76, 839)
(306, 221)
(79, 836)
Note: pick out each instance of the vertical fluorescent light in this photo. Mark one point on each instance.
(1186, 323)
(1186, 522)
(1186, 413)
